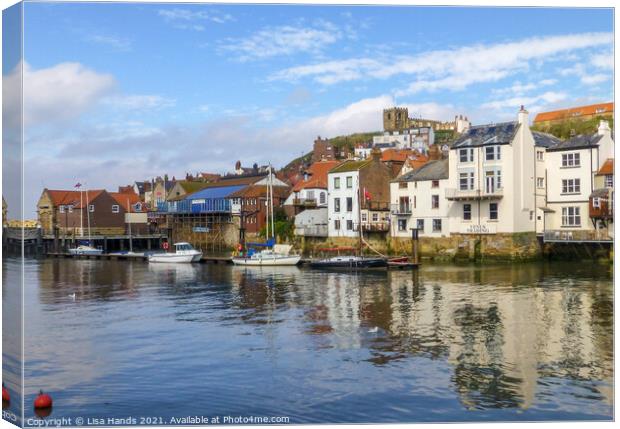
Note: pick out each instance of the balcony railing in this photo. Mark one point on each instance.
(375, 205)
(379, 226)
(401, 209)
(575, 235)
(306, 202)
(311, 231)
(474, 194)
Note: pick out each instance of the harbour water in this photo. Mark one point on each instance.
(443, 344)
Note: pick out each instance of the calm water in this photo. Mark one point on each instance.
(527, 342)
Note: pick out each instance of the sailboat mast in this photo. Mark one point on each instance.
(81, 215)
(88, 216)
(273, 235)
(129, 210)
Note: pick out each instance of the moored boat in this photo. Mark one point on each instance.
(349, 262)
(85, 250)
(279, 255)
(184, 253)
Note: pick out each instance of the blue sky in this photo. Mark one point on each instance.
(122, 92)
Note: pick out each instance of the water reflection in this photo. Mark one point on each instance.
(530, 337)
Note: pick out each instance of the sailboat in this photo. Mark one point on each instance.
(85, 249)
(274, 254)
(350, 261)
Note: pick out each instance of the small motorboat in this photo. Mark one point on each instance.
(183, 253)
(85, 250)
(278, 256)
(349, 262)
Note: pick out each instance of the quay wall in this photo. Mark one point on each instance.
(511, 247)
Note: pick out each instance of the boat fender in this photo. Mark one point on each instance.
(43, 400)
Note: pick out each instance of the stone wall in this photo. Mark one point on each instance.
(518, 246)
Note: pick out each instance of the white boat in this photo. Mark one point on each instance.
(183, 253)
(85, 250)
(268, 257)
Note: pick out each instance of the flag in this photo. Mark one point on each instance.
(77, 185)
(367, 195)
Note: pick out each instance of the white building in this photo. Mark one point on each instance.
(354, 181)
(419, 139)
(571, 167)
(418, 201)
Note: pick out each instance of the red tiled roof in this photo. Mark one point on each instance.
(400, 155)
(607, 168)
(318, 175)
(592, 109)
(125, 200)
(62, 197)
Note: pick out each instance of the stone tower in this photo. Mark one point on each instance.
(395, 119)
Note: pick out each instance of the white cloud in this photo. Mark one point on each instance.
(117, 43)
(284, 40)
(593, 79)
(603, 61)
(585, 74)
(186, 19)
(60, 92)
(139, 102)
(453, 69)
(514, 102)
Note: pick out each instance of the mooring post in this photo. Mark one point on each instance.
(414, 245)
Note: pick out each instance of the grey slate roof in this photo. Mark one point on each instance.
(491, 134)
(432, 170)
(545, 140)
(600, 193)
(578, 142)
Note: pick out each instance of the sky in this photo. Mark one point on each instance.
(119, 92)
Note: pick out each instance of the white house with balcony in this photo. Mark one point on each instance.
(491, 185)
(418, 201)
(571, 167)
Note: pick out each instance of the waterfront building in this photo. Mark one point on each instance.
(572, 168)
(250, 204)
(311, 191)
(601, 201)
(418, 201)
(601, 110)
(70, 212)
(354, 180)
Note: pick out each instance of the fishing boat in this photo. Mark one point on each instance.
(273, 254)
(183, 253)
(348, 261)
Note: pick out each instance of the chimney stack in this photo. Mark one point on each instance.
(522, 117)
(603, 128)
(376, 154)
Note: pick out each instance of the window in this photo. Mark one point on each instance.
(91, 208)
(402, 224)
(466, 181)
(466, 155)
(492, 153)
(435, 201)
(571, 186)
(596, 202)
(61, 209)
(493, 211)
(350, 225)
(375, 217)
(540, 155)
(466, 211)
(571, 160)
(337, 224)
(436, 225)
(364, 217)
(349, 204)
(115, 209)
(540, 182)
(70, 208)
(609, 181)
(493, 181)
(349, 182)
(435, 184)
(403, 185)
(336, 205)
(336, 182)
(420, 225)
(571, 216)
(322, 198)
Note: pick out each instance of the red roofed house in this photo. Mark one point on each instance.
(135, 211)
(311, 191)
(397, 158)
(252, 204)
(71, 212)
(603, 110)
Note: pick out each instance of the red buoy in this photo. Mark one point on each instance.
(6, 396)
(43, 400)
